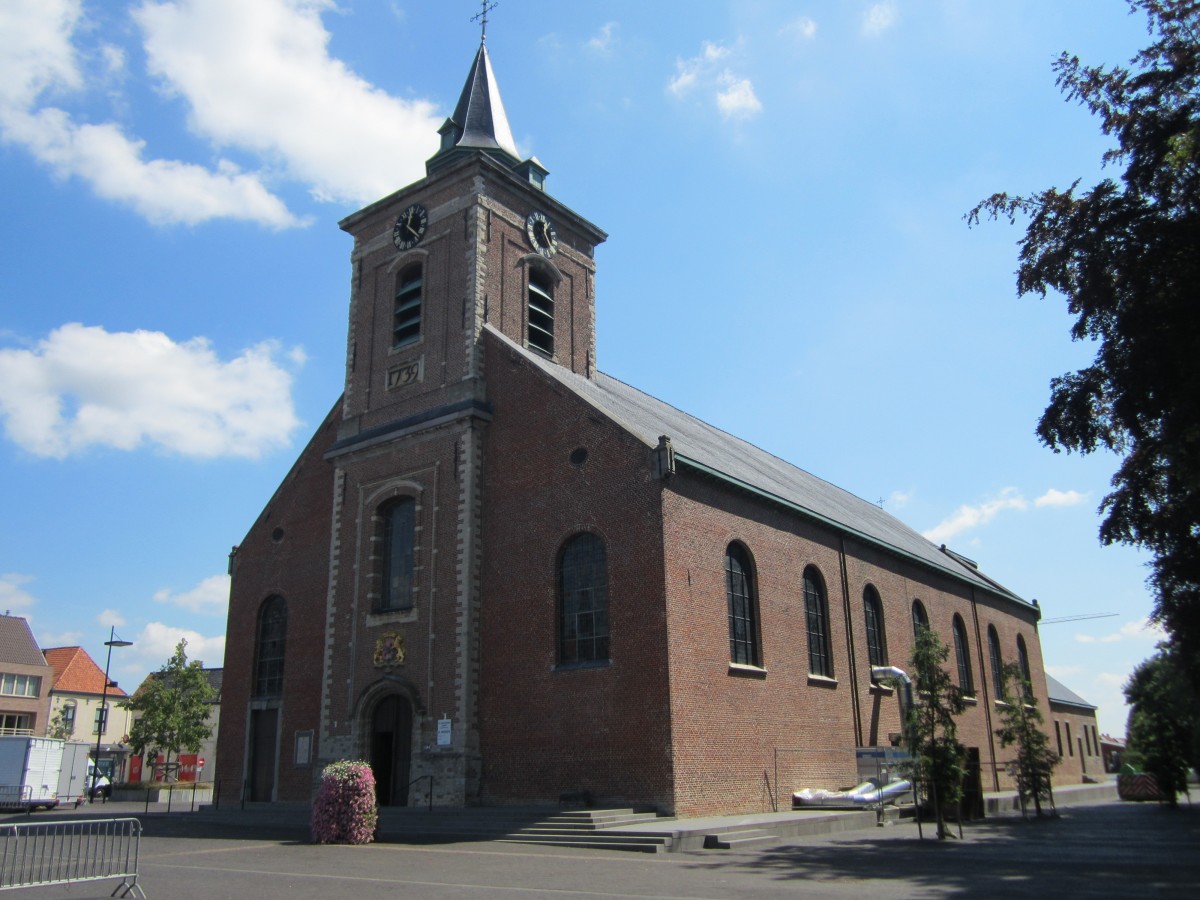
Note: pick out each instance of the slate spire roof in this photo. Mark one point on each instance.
(479, 121)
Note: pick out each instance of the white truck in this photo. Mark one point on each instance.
(29, 772)
(75, 778)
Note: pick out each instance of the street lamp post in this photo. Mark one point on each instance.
(102, 722)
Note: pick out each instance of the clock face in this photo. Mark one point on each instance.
(541, 234)
(410, 227)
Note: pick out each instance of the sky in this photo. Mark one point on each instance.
(784, 187)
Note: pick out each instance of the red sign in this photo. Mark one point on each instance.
(200, 762)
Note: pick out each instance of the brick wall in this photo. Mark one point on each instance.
(285, 553)
(546, 729)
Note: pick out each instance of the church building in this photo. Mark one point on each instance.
(502, 576)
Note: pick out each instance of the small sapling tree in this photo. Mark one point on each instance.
(1021, 726)
(937, 755)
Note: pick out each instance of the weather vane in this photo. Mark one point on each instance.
(481, 17)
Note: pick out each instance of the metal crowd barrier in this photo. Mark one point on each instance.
(41, 853)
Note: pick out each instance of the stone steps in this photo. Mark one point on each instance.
(731, 840)
(592, 829)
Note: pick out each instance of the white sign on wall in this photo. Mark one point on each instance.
(443, 734)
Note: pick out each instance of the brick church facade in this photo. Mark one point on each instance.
(501, 575)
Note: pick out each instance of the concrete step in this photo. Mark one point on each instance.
(729, 840)
(639, 843)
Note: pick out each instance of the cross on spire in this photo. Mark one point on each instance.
(481, 17)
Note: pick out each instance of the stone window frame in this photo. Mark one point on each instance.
(582, 572)
(741, 595)
(816, 623)
(408, 304)
(876, 629)
(962, 656)
(996, 658)
(270, 648)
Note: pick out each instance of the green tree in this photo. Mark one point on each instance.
(1164, 721)
(1123, 254)
(937, 756)
(59, 727)
(173, 706)
(1021, 726)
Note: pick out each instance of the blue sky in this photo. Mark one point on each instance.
(783, 184)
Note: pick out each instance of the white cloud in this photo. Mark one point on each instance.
(803, 28)
(13, 596)
(256, 77)
(899, 499)
(37, 59)
(737, 99)
(1054, 497)
(1139, 630)
(966, 517)
(48, 639)
(157, 641)
(111, 618)
(879, 18)
(210, 596)
(35, 50)
(604, 39)
(84, 387)
(733, 95)
(259, 76)
(166, 192)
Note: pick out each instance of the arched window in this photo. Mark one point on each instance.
(583, 600)
(997, 661)
(873, 617)
(920, 617)
(541, 312)
(406, 318)
(269, 648)
(743, 606)
(398, 542)
(962, 656)
(816, 612)
(1023, 663)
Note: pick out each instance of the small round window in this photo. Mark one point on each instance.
(579, 456)
(277, 535)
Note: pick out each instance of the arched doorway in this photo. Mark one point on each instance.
(391, 742)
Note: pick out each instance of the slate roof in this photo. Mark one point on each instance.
(479, 119)
(75, 672)
(1060, 693)
(710, 450)
(17, 644)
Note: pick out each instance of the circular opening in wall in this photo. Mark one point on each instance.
(579, 456)
(277, 535)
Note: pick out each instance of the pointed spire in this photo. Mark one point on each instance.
(479, 121)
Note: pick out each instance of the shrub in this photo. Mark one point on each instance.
(344, 811)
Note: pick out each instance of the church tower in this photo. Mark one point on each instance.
(476, 242)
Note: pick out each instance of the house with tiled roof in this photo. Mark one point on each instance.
(80, 707)
(25, 679)
(198, 766)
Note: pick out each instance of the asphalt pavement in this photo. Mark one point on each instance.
(1108, 849)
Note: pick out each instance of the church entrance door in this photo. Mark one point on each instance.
(391, 740)
(264, 730)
